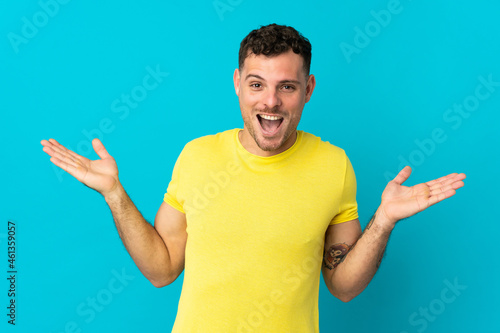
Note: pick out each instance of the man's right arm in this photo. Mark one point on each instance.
(157, 251)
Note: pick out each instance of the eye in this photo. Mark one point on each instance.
(288, 87)
(256, 85)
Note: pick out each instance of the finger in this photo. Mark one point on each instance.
(99, 148)
(458, 184)
(59, 152)
(461, 176)
(50, 150)
(45, 143)
(61, 157)
(434, 199)
(77, 157)
(440, 184)
(56, 146)
(440, 180)
(402, 175)
(457, 178)
(453, 186)
(76, 172)
(48, 144)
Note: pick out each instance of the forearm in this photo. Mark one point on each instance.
(349, 269)
(140, 238)
(361, 263)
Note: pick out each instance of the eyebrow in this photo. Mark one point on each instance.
(261, 78)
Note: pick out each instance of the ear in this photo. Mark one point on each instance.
(236, 80)
(311, 84)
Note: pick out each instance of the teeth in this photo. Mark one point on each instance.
(269, 117)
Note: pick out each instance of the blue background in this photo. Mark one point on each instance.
(380, 103)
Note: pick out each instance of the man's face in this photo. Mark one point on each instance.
(272, 92)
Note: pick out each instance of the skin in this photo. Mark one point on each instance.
(365, 250)
(270, 86)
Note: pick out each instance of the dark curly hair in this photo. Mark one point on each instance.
(272, 40)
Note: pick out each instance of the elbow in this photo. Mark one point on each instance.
(345, 298)
(164, 277)
(343, 292)
(160, 282)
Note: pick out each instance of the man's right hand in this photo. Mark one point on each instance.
(158, 251)
(100, 175)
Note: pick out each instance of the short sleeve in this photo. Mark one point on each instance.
(348, 206)
(171, 196)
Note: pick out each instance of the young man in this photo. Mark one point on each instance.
(264, 206)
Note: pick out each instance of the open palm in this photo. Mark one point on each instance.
(100, 175)
(399, 202)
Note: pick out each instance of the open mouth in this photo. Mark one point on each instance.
(270, 124)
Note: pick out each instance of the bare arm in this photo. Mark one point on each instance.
(157, 251)
(351, 259)
(349, 262)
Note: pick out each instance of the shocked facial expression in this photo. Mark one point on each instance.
(272, 92)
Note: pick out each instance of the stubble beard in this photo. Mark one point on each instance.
(273, 147)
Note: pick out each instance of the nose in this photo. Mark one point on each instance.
(271, 99)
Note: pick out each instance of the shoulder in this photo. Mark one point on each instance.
(324, 155)
(210, 144)
(324, 148)
(211, 140)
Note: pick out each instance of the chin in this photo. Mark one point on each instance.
(270, 144)
(269, 148)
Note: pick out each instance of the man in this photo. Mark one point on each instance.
(263, 206)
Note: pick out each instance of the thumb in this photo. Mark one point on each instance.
(99, 148)
(402, 175)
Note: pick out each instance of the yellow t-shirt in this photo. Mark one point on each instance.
(256, 228)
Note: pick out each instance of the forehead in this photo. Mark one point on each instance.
(287, 65)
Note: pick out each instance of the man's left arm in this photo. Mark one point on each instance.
(351, 259)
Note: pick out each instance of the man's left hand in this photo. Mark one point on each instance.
(399, 202)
